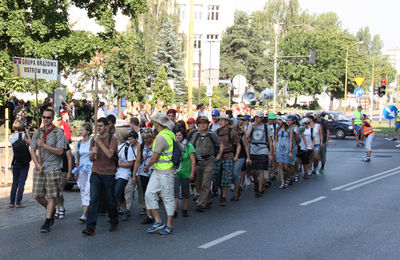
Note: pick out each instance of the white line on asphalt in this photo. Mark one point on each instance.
(370, 181)
(364, 179)
(398, 145)
(388, 139)
(312, 201)
(222, 239)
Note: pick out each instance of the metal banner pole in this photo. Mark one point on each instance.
(38, 119)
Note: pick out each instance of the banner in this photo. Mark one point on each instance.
(28, 67)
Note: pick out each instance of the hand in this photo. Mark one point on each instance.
(290, 155)
(40, 143)
(235, 159)
(249, 162)
(218, 157)
(68, 176)
(306, 150)
(97, 139)
(94, 150)
(75, 176)
(191, 177)
(146, 169)
(39, 168)
(133, 180)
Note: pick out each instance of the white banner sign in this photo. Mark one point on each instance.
(28, 67)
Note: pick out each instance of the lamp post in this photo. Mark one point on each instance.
(347, 66)
(277, 29)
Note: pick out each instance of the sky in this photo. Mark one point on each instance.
(381, 16)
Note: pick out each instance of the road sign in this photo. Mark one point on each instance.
(29, 67)
(359, 92)
(390, 112)
(209, 91)
(359, 81)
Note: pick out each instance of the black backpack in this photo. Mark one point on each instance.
(177, 154)
(22, 155)
(266, 136)
(208, 135)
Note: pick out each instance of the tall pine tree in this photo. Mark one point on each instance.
(161, 89)
(169, 54)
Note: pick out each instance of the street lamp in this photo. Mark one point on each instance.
(347, 66)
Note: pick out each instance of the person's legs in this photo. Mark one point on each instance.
(16, 173)
(237, 169)
(119, 191)
(109, 190)
(177, 187)
(85, 192)
(21, 183)
(141, 192)
(128, 193)
(151, 195)
(167, 191)
(322, 155)
(95, 189)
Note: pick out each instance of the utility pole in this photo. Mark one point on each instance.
(277, 29)
(199, 95)
(209, 76)
(372, 88)
(190, 61)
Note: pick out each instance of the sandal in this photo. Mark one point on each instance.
(11, 206)
(61, 214)
(20, 206)
(282, 186)
(56, 215)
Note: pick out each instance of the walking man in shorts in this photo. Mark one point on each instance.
(47, 173)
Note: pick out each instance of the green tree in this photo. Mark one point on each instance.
(160, 88)
(169, 55)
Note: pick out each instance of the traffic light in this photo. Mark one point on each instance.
(382, 88)
(376, 91)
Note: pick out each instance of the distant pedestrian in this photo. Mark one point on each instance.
(20, 142)
(369, 135)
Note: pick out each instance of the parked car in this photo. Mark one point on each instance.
(338, 124)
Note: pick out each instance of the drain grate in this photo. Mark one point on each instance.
(383, 156)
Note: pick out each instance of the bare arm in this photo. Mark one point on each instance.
(305, 141)
(53, 150)
(108, 152)
(126, 164)
(153, 160)
(192, 165)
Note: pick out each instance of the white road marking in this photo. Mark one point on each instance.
(398, 145)
(364, 179)
(389, 139)
(370, 181)
(222, 239)
(312, 201)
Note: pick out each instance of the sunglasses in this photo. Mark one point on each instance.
(147, 131)
(47, 117)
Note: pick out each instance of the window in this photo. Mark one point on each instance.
(212, 36)
(198, 12)
(197, 41)
(213, 11)
(196, 71)
(181, 10)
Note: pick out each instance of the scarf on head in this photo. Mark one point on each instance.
(45, 133)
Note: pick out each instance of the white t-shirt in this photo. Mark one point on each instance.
(316, 134)
(307, 134)
(123, 172)
(14, 137)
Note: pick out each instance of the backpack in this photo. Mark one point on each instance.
(22, 155)
(230, 139)
(208, 135)
(65, 167)
(266, 135)
(177, 154)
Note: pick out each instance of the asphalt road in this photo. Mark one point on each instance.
(350, 212)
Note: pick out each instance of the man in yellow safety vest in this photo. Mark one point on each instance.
(357, 125)
(369, 134)
(163, 177)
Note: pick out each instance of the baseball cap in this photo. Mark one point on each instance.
(259, 114)
(215, 112)
(191, 121)
(271, 115)
(246, 118)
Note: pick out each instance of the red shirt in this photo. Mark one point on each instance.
(67, 129)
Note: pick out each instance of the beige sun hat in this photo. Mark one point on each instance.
(163, 120)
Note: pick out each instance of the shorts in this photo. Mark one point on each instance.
(357, 129)
(305, 156)
(397, 125)
(317, 148)
(259, 162)
(282, 157)
(223, 173)
(182, 185)
(47, 183)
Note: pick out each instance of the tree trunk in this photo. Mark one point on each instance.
(331, 102)
(119, 107)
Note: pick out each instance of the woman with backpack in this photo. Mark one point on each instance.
(283, 146)
(83, 168)
(19, 141)
(144, 154)
(185, 173)
(238, 165)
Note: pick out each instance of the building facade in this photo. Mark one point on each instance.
(210, 19)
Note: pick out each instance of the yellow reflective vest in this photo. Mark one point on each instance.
(165, 160)
(357, 119)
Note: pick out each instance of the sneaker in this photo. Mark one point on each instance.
(156, 226)
(120, 211)
(45, 228)
(113, 228)
(142, 212)
(366, 159)
(282, 186)
(166, 230)
(394, 139)
(88, 232)
(321, 171)
(147, 220)
(296, 178)
(125, 216)
(82, 219)
(185, 213)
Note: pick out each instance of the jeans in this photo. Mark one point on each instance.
(97, 184)
(120, 191)
(19, 177)
(237, 168)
